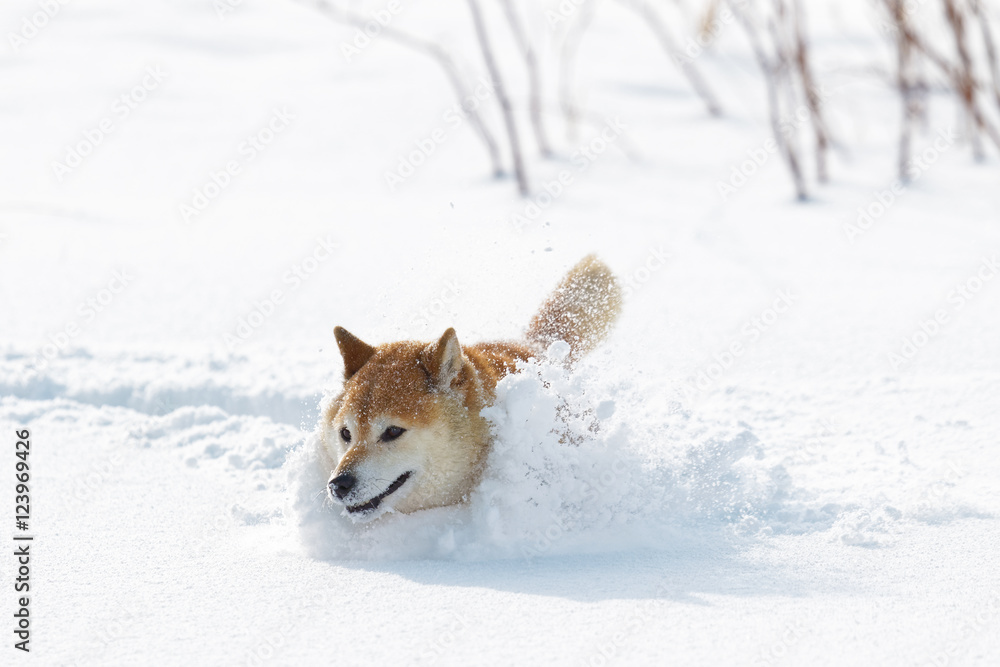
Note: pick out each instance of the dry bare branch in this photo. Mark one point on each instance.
(775, 71)
(965, 78)
(534, 78)
(501, 91)
(961, 76)
(814, 101)
(910, 90)
(990, 45)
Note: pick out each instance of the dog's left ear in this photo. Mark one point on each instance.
(354, 351)
(446, 360)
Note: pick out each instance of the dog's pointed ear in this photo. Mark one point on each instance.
(446, 359)
(354, 351)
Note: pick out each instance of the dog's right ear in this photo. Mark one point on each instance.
(354, 351)
(446, 359)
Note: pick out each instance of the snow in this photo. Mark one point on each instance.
(804, 500)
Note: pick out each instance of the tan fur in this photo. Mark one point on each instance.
(436, 392)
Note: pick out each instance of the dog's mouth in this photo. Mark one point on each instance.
(374, 502)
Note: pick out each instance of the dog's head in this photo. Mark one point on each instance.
(406, 429)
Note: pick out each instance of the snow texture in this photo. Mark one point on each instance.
(805, 500)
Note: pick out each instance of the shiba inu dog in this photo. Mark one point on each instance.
(406, 431)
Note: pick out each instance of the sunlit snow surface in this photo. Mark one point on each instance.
(804, 503)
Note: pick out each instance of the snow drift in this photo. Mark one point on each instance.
(568, 473)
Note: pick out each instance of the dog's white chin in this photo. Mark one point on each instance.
(386, 505)
(368, 515)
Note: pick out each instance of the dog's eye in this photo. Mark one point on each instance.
(392, 433)
(345, 434)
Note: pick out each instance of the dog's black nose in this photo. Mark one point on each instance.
(342, 484)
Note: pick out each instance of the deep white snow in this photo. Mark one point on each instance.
(808, 500)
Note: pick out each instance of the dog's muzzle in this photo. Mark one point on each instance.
(341, 485)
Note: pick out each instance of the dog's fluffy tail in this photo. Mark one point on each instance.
(581, 310)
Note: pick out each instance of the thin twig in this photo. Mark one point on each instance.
(908, 90)
(502, 98)
(534, 78)
(965, 80)
(812, 94)
(772, 69)
(990, 45)
(956, 75)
